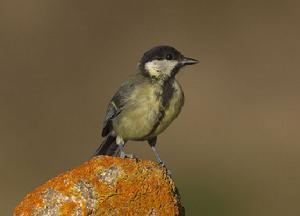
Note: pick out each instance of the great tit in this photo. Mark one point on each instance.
(146, 103)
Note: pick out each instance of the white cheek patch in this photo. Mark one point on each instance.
(160, 67)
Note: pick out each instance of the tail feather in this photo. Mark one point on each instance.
(108, 147)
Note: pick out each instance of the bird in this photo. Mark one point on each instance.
(146, 103)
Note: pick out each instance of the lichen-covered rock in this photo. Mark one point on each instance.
(105, 186)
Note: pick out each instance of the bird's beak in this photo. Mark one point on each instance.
(188, 61)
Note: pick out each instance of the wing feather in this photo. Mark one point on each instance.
(119, 100)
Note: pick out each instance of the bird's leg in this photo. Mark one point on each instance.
(120, 142)
(152, 143)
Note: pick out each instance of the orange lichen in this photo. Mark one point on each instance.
(105, 186)
(68, 208)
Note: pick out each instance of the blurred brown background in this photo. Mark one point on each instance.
(234, 150)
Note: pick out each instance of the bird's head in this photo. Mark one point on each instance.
(163, 62)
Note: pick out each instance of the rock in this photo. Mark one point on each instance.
(106, 186)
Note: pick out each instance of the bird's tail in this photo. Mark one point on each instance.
(108, 147)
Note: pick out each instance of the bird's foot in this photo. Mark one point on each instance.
(130, 155)
(161, 163)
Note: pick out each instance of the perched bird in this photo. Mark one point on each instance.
(146, 103)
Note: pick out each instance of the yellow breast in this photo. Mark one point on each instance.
(173, 109)
(140, 113)
(141, 116)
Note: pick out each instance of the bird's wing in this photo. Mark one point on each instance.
(111, 112)
(118, 102)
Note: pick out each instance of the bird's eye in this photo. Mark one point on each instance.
(169, 57)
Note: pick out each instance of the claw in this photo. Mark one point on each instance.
(161, 163)
(169, 173)
(131, 156)
(122, 154)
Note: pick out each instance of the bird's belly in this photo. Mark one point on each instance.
(171, 112)
(144, 117)
(138, 119)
